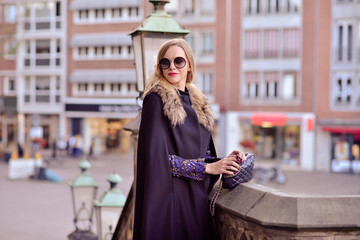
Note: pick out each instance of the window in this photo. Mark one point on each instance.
(189, 6)
(207, 43)
(115, 87)
(289, 89)
(42, 83)
(206, 83)
(271, 84)
(10, 13)
(10, 48)
(58, 9)
(82, 87)
(42, 46)
(249, 6)
(100, 13)
(340, 43)
(99, 87)
(271, 43)
(83, 51)
(257, 6)
(10, 85)
(291, 43)
(349, 43)
(252, 84)
(116, 51)
(343, 90)
(345, 42)
(252, 43)
(133, 12)
(269, 6)
(42, 89)
(27, 90)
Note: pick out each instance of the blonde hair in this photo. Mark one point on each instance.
(158, 75)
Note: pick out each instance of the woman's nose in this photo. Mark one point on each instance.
(172, 65)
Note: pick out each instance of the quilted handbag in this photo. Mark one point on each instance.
(245, 174)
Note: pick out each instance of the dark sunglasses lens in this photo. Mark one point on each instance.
(179, 62)
(164, 63)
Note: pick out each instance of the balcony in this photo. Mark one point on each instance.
(42, 24)
(41, 60)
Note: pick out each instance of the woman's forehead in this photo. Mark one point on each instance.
(174, 51)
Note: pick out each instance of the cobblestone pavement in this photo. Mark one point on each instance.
(31, 209)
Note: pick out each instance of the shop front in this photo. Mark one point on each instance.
(99, 127)
(345, 148)
(277, 138)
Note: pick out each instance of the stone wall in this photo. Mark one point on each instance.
(251, 211)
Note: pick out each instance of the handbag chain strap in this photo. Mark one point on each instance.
(215, 197)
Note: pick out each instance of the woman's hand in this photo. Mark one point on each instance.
(228, 165)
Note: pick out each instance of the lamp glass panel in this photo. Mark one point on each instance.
(151, 48)
(137, 49)
(109, 217)
(83, 199)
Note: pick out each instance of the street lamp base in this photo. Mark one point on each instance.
(82, 235)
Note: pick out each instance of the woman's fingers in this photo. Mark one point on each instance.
(230, 166)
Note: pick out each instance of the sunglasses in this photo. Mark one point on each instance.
(179, 62)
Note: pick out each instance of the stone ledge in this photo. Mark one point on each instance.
(270, 208)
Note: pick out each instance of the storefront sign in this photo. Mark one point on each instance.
(268, 119)
(102, 108)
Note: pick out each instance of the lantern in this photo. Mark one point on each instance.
(108, 208)
(83, 192)
(156, 29)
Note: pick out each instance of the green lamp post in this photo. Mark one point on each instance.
(157, 28)
(83, 192)
(108, 208)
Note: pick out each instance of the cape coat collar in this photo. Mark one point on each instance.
(174, 110)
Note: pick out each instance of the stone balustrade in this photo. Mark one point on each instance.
(255, 212)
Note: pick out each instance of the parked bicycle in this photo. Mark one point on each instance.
(265, 175)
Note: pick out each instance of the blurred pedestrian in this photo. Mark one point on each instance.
(54, 148)
(20, 151)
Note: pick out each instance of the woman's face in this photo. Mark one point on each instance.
(176, 75)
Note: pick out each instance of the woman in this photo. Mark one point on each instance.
(177, 165)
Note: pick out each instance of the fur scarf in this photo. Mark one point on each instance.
(174, 110)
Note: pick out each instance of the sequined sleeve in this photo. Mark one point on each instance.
(188, 168)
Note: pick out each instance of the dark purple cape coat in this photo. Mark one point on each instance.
(168, 207)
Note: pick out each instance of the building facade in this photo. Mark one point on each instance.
(282, 75)
(8, 84)
(338, 102)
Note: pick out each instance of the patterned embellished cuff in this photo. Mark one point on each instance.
(188, 168)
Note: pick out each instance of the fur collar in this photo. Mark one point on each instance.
(174, 110)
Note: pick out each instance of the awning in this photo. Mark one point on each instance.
(342, 129)
(268, 119)
(100, 4)
(101, 39)
(103, 76)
